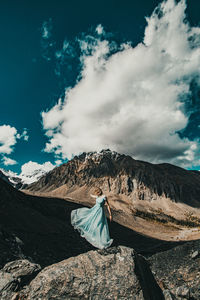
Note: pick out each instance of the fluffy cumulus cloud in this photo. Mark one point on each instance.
(8, 139)
(8, 161)
(32, 171)
(134, 100)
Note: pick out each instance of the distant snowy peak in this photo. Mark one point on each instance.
(11, 178)
(98, 155)
(30, 178)
(32, 171)
(24, 178)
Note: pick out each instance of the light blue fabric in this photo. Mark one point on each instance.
(92, 224)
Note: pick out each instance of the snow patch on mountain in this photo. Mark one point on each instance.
(30, 172)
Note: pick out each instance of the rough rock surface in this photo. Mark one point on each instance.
(178, 270)
(139, 192)
(115, 273)
(121, 174)
(14, 276)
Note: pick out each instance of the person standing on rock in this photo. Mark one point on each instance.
(92, 223)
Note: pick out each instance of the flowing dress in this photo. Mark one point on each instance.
(92, 224)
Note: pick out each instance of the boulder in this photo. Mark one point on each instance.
(177, 270)
(114, 273)
(183, 292)
(14, 276)
(8, 285)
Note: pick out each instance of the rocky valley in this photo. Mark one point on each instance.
(139, 192)
(155, 254)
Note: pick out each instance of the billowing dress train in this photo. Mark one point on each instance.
(92, 224)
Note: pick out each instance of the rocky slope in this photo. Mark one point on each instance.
(122, 174)
(39, 228)
(161, 193)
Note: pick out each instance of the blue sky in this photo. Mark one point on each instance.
(42, 54)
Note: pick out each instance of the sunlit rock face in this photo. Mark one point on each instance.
(120, 174)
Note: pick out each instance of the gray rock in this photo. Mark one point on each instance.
(167, 295)
(8, 284)
(21, 268)
(195, 254)
(14, 276)
(176, 269)
(5, 279)
(183, 292)
(115, 273)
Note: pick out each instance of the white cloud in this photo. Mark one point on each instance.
(99, 29)
(134, 100)
(8, 136)
(31, 166)
(8, 139)
(8, 161)
(32, 171)
(58, 162)
(24, 135)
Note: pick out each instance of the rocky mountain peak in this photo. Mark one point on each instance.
(105, 153)
(120, 174)
(20, 181)
(97, 157)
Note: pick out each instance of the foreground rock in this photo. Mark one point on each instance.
(178, 270)
(115, 273)
(14, 276)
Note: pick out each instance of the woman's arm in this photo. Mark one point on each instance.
(93, 196)
(109, 210)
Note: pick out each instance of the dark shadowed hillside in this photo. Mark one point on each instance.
(39, 228)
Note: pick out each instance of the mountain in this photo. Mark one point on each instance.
(140, 193)
(35, 227)
(32, 176)
(39, 228)
(23, 179)
(3, 176)
(11, 178)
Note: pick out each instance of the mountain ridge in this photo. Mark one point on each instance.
(163, 193)
(110, 164)
(20, 181)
